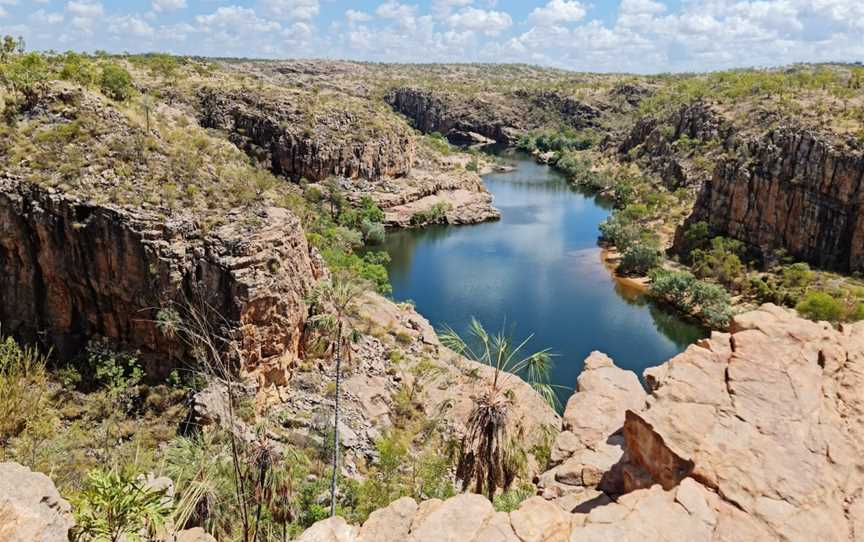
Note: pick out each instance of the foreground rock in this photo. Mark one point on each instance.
(31, 510)
(753, 435)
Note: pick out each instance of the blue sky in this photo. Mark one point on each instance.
(601, 35)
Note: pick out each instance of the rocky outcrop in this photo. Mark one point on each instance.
(297, 138)
(31, 509)
(497, 116)
(750, 435)
(790, 189)
(71, 270)
(666, 147)
(453, 114)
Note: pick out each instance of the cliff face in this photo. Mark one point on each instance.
(70, 271)
(792, 190)
(285, 132)
(500, 117)
(753, 435)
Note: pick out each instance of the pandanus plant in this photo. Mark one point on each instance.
(488, 456)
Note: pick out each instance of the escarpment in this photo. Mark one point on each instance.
(299, 135)
(750, 435)
(501, 117)
(790, 189)
(73, 270)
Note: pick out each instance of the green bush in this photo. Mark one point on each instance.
(79, 69)
(373, 232)
(820, 306)
(709, 302)
(115, 82)
(22, 387)
(118, 506)
(434, 215)
(26, 74)
(639, 258)
(722, 262)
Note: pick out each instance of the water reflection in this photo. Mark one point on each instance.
(537, 270)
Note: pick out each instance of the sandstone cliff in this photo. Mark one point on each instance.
(299, 135)
(501, 117)
(790, 189)
(751, 435)
(72, 270)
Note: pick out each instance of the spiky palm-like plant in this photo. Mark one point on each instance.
(334, 302)
(488, 454)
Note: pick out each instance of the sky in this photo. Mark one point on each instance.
(641, 36)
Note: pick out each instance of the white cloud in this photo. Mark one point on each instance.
(292, 9)
(43, 17)
(130, 25)
(168, 5)
(85, 8)
(480, 20)
(355, 16)
(558, 11)
(3, 12)
(236, 19)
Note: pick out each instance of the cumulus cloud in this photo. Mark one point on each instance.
(292, 9)
(237, 19)
(41, 16)
(85, 8)
(355, 16)
(130, 25)
(168, 5)
(480, 20)
(558, 11)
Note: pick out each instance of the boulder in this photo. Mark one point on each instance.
(333, 529)
(196, 534)
(391, 522)
(457, 519)
(31, 509)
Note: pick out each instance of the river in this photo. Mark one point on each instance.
(536, 271)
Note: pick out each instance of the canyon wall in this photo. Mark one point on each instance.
(790, 189)
(502, 117)
(295, 141)
(70, 271)
(785, 188)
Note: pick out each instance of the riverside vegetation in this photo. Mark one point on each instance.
(148, 137)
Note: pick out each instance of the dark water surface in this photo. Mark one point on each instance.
(538, 270)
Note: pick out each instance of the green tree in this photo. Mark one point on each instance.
(489, 455)
(116, 82)
(27, 74)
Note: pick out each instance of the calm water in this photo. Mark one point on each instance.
(539, 271)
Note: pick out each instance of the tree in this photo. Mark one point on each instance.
(116, 82)
(488, 455)
(334, 302)
(27, 74)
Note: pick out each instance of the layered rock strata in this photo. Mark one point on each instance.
(71, 270)
(790, 189)
(750, 435)
(282, 129)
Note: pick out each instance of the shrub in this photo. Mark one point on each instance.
(820, 306)
(115, 82)
(639, 258)
(434, 215)
(674, 286)
(714, 303)
(373, 232)
(22, 387)
(722, 262)
(117, 506)
(79, 69)
(710, 302)
(27, 74)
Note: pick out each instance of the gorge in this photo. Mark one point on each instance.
(224, 281)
